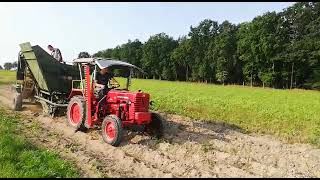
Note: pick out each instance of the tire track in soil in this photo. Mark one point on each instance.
(189, 149)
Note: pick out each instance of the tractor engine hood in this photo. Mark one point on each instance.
(139, 100)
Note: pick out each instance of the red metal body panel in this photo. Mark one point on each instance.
(142, 117)
(88, 95)
(75, 92)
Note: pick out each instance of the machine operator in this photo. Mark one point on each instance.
(102, 80)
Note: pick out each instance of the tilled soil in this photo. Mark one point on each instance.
(189, 148)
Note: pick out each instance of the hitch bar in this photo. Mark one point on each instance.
(52, 103)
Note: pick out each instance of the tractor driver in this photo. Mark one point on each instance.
(102, 80)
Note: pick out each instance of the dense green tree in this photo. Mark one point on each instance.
(302, 19)
(222, 53)
(156, 57)
(260, 46)
(182, 56)
(132, 52)
(200, 38)
(7, 66)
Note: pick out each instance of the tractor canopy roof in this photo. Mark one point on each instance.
(107, 62)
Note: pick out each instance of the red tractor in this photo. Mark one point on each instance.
(118, 109)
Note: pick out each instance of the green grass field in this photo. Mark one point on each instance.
(19, 158)
(293, 115)
(7, 77)
(290, 114)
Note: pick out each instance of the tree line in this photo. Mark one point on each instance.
(9, 65)
(279, 50)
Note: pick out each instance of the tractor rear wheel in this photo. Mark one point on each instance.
(155, 128)
(76, 113)
(17, 102)
(112, 130)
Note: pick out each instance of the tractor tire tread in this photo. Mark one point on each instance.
(155, 128)
(119, 129)
(82, 102)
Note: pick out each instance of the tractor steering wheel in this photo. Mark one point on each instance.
(114, 84)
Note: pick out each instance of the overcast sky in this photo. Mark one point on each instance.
(75, 27)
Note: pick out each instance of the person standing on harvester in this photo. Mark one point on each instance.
(55, 52)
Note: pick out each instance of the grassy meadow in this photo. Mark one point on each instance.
(293, 115)
(19, 158)
(7, 77)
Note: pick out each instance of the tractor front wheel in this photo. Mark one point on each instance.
(112, 130)
(76, 113)
(155, 128)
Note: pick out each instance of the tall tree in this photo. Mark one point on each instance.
(116, 52)
(182, 56)
(7, 66)
(222, 52)
(156, 58)
(132, 52)
(260, 45)
(200, 38)
(301, 18)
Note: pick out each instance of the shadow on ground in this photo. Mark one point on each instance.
(177, 129)
(202, 132)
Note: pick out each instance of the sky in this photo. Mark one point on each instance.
(82, 26)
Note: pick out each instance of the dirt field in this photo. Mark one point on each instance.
(190, 148)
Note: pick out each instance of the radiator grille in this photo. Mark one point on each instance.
(141, 104)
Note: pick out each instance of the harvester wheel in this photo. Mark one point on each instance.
(76, 113)
(112, 130)
(17, 102)
(155, 128)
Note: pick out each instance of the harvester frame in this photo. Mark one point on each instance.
(43, 79)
